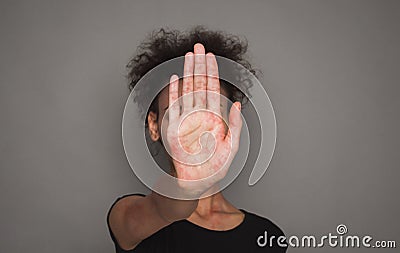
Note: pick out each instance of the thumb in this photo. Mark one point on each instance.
(235, 125)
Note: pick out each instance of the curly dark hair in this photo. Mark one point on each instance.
(166, 44)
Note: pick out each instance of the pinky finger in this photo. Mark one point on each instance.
(173, 98)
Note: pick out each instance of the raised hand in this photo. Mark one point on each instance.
(201, 144)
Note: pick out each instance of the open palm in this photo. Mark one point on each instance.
(201, 144)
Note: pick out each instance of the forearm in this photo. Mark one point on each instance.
(136, 218)
(170, 209)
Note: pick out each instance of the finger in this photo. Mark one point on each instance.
(187, 87)
(213, 85)
(200, 81)
(235, 126)
(173, 98)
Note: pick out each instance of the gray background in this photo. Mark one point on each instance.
(331, 69)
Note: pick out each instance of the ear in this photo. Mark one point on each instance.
(153, 126)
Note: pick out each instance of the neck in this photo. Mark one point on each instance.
(211, 204)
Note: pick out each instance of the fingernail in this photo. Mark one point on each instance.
(239, 106)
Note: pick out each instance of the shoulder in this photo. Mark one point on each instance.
(259, 223)
(115, 216)
(127, 196)
(121, 202)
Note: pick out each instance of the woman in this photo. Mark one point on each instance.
(155, 223)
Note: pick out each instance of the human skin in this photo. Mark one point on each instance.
(135, 218)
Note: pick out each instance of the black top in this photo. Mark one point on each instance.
(185, 236)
